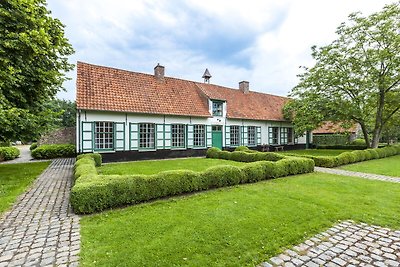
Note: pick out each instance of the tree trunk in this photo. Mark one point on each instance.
(365, 133)
(378, 120)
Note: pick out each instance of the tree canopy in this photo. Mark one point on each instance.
(356, 78)
(33, 62)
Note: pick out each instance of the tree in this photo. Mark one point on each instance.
(33, 62)
(355, 78)
(65, 111)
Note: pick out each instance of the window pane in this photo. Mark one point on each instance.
(104, 135)
(178, 135)
(251, 134)
(146, 135)
(199, 135)
(217, 108)
(235, 135)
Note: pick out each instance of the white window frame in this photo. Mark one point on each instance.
(235, 135)
(251, 135)
(178, 135)
(199, 135)
(104, 135)
(146, 135)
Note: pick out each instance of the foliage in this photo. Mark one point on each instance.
(343, 147)
(15, 179)
(242, 148)
(235, 226)
(355, 77)
(358, 142)
(8, 153)
(95, 156)
(33, 146)
(314, 152)
(330, 139)
(242, 156)
(33, 62)
(93, 192)
(353, 156)
(54, 151)
(65, 111)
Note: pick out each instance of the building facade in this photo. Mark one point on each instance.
(129, 115)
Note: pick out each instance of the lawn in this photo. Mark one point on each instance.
(156, 166)
(316, 152)
(237, 226)
(386, 166)
(15, 178)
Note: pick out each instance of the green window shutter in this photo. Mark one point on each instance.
(87, 136)
(119, 136)
(258, 135)
(190, 137)
(160, 136)
(167, 136)
(244, 136)
(209, 136)
(227, 136)
(133, 136)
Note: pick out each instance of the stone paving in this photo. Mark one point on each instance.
(370, 176)
(345, 244)
(41, 230)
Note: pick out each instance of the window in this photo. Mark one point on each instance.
(104, 135)
(273, 135)
(199, 135)
(284, 136)
(235, 136)
(217, 108)
(251, 134)
(290, 135)
(146, 135)
(178, 135)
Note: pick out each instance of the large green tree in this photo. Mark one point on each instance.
(33, 62)
(355, 78)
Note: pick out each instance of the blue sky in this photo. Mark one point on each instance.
(263, 42)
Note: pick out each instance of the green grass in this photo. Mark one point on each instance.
(316, 152)
(386, 166)
(156, 166)
(238, 226)
(15, 178)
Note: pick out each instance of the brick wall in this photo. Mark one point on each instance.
(60, 136)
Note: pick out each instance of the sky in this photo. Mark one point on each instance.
(260, 41)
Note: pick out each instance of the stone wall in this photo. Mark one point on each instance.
(60, 136)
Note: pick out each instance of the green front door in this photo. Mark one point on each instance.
(217, 136)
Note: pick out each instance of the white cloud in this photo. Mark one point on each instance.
(138, 34)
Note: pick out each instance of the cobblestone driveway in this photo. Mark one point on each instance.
(40, 230)
(345, 244)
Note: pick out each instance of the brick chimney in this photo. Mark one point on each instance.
(159, 72)
(244, 87)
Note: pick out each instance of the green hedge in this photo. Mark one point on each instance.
(33, 146)
(54, 151)
(95, 156)
(243, 156)
(349, 147)
(8, 153)
(93, 192)
(330, 139)
(354, 156)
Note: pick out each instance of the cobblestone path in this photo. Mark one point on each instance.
(345, 244)
(40, 230)
(370, 176)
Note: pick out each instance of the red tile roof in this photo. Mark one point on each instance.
(110, 89)
(333, 128)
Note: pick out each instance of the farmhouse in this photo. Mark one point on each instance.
(130, 115)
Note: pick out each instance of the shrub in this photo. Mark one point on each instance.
(213, 152)
(374, 154)
(359, 155)
(8, 153)
(93, 192)
(54, 151)
(349, 147)
(33, 146)
(224, 155)
(331, 139)
(358, 142)
(242, 148)
(96, 156)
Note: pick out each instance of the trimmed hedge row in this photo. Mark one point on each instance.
(242, 156)
(8, 153)
(353, 156)
(33, 146)
(93, 192)
(353, 147)
(54, 151)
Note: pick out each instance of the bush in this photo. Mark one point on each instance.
(54, 151)
(349, 147)
(93, 192)
(330, 139)
(95, 156)
(213, 152)
(358, 142)
(242, 148)
(33, 146)
(8, 153)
